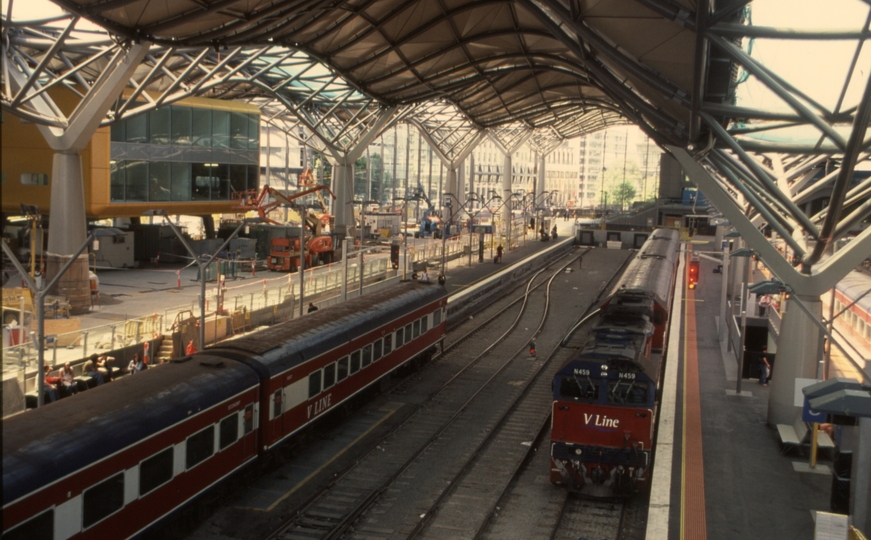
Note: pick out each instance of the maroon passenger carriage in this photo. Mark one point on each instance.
(605, 396)
(116, 460)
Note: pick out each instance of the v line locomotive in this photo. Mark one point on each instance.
(113, 462)
(605, 396)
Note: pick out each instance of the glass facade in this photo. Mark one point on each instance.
(178, 153)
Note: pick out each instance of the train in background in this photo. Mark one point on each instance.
(114, 462)
(605, 396)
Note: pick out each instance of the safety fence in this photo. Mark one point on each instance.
(226, 297)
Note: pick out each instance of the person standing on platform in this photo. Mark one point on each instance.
(553, 233)
(764, 367)
(499, 253)
(442, 279)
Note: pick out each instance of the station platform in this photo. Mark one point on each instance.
(720, 471)
(171, 287)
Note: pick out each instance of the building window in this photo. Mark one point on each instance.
(238, 130)
(34, 179)
(102, 500)
(117, 180)
(137, 181)
(220, 129)
(181, 125)
(203, 181)
(200, 447)
(159, 126)
(181, 181)
(137, 129)
(201, 128)
(159, 181)
(155, 471)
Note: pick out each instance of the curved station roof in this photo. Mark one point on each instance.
(340, 71)
(575, 67)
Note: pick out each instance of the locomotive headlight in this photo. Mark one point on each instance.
(578, 451)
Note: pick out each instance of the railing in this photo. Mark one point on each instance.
(76, 346)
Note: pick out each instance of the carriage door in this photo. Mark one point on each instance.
(249, 440)
(277, 414)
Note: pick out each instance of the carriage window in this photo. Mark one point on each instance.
(408, 336)
(437, 317)
(200, 447)
(155, 471)
(399, 336)
(355, 362)
(424, 324)
(376, 350)
(343, 370)
(388, 344)
(579, 388)
(41, 526)
(367, 355)
(314, 384)
(627, 391)
(229, 430)
(102, 500)
(416, 331)
(329, 376)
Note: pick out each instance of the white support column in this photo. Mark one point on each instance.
(506, 195)
(68, 228)
(343, 188)
(796, 357)
(461, 181)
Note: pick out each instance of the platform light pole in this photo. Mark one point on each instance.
(202, 265)
(39, 298)
(447, 230)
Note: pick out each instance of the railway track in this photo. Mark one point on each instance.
(493, 405)
(362, 503)
(453, 408)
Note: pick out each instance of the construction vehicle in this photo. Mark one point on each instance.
(430, 222)
(284, 251)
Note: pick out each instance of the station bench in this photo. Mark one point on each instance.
(799, 434)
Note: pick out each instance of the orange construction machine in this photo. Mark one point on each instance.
(284, 252)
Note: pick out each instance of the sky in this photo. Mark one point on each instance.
(818, 68)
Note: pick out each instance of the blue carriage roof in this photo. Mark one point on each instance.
(283, 346)
(46, 444)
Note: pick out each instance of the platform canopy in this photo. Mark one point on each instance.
(341, 71)
(577, 66)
